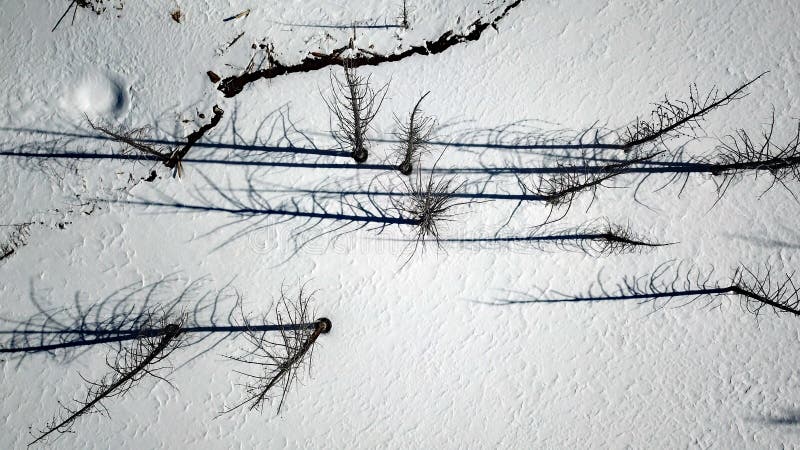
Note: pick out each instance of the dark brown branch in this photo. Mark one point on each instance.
(176, 157)
(170, 158)
(232, 85)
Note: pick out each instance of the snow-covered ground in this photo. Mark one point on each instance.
(416, 358)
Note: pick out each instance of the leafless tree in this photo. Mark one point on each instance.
(413, 135)
(430, 203)
(740, 153)
(674, 118)
(130, 365)
(279, 361)
(561, 189)
(354, 106)
(404, 22)
(233, 85)
(736, 154)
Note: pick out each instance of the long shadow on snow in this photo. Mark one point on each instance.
(126, 315)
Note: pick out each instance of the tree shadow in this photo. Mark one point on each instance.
(276, 134)
(358, 25)
(127, 314)
(529, 135)
(789, 417)
(757, 290)
(313, 217)
(594, 238)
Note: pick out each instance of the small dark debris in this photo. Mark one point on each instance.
(244, 13)
(151, 177)
(213, 77)
(177, 15)
(7, 254)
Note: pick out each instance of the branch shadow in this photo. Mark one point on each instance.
(312, 216)
(278, 135)
(364, 25)
(786, 418)
(281, 136)
(125, 315)
(669, 280)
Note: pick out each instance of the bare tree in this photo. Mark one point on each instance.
(129, 365)
(413, 134)
(674, 118)
(354, 106)
(740, 153)
(430, 203)
(404, 22)
(280, 361)
(737, 154)
(143, 331)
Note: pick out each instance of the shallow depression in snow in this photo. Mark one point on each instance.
(98, 94)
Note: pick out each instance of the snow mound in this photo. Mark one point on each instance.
(98, 94)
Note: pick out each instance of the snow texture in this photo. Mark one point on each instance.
(416, 358)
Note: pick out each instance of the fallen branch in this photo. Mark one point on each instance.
(170, 158)
(232, 85)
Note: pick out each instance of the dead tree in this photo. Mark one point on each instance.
(281, 361)
(429, 202)
(404, 22)
(15, 239)
(354, 106)
(560, 190)
(413, 136)
(739, 153)
(143, 336)
(675, 118)
(170, 157)
(128, 367)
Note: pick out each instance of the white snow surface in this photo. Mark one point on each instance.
(416, 358)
